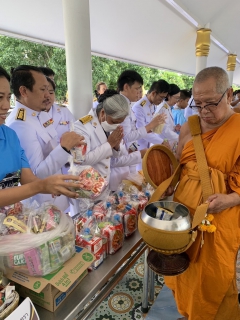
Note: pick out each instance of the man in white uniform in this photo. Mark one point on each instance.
(129, 85)
(169, 132)
(189, 111)
(60, 115)
(45, 155)
(144, 111)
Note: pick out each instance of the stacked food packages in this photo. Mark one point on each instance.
(102, 226)
(35, 241)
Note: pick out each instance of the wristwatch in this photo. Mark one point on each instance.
(65, 149)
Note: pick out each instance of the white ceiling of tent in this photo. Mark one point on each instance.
(148, 32)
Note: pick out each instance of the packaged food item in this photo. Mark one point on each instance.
(159, 128)
(54, 247)
(79, 153)
(33, 262)
(129, 220)
(113, 231)
(142, 200)
(45, 259)
(36, 242)
(105, 247)
(164, 214)
(115, 236)
(90, 183)
(93, 244)
(99, 257)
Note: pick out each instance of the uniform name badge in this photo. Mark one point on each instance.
(64, 122)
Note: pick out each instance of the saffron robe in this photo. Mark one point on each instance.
(201, 291)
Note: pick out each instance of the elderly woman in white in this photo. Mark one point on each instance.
(103, 134)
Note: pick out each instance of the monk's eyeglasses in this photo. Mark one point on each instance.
(209, 107)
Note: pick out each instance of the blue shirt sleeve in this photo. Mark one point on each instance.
(12, 157)
(24, 160)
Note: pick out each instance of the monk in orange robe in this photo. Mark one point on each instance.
(207, 289)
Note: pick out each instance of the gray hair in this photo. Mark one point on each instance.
(218, 74)
(116, 106)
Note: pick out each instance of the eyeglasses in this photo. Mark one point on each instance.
(209, 107)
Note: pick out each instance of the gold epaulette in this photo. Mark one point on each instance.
(86, 119)
(95, 99)
(21, 114)
(143, 103)
(165, 106)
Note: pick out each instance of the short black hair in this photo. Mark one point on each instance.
(4, 74)
(22, 76)
(173, 89)
(52, 83)
(159, 86)
(185, 94)
(129, 77)
(48, 72)
(108, 93)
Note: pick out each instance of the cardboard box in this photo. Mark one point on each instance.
(51, 290)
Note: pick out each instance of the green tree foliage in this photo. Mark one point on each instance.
(15, 52)
(108, 70)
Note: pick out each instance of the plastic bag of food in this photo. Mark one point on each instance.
(78, 152)
(36, 242)
(90, 183)
(158, 129)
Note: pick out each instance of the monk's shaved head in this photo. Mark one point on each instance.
(218, 74)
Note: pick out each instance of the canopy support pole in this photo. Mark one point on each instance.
(202, 48)
(76, 18)
(231, 65)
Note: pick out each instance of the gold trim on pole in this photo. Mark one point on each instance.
(203, 42)
(231, 63)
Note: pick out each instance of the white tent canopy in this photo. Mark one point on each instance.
(149, 32)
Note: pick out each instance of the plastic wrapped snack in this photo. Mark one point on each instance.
(115, 236)
(36, 241)
(129, 220)
(158, 129)
(91, 184)
(78, 152)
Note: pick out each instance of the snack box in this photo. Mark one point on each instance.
(51, 290)
(99, 257)
(93, 245)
